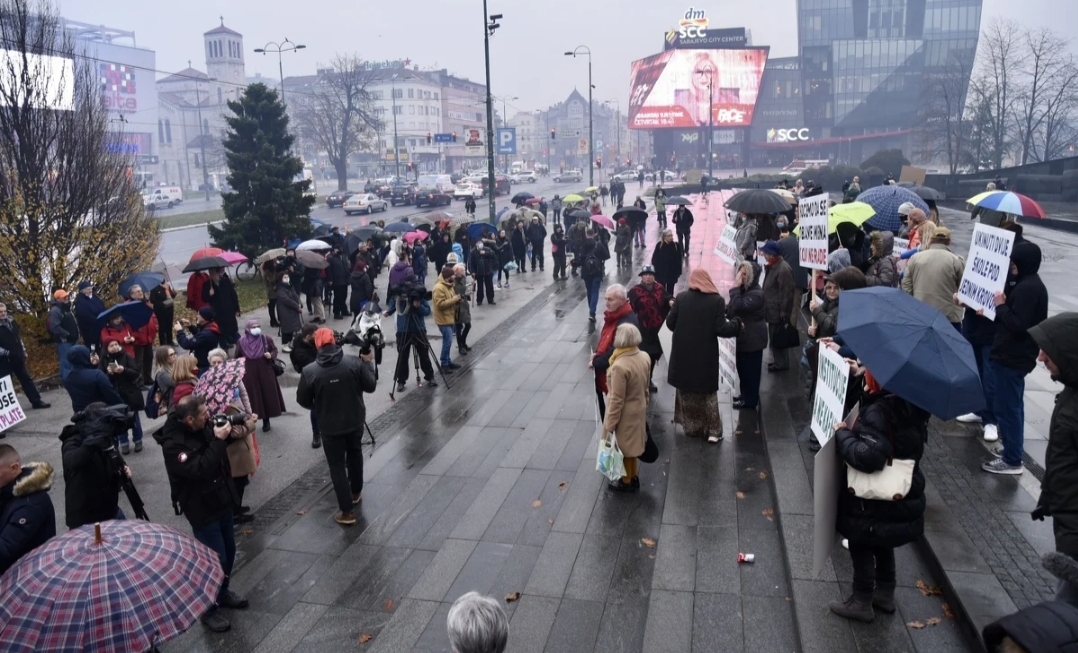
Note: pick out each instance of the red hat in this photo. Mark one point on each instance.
(323, 337)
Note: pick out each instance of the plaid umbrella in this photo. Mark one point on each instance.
(886, 200)
(115, 586)
(220, 383)
(461, 219)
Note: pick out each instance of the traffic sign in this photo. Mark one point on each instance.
(443, 138)
(507, 140)
(148, 159)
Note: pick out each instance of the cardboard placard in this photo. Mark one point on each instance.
(828, 480)
(914, 174)
(812, 243)
(726, 248)
(987, 266)
(833, 375)
(728, 364)
(902, 245)
(11, 412)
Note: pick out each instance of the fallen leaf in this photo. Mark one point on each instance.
(389, 605)
(365, 637)
(916, 624)
(932, 621)
(512, 596)
(788, 599)
(301, 512)
(750, 469)
(928, 590)
(561, 486)
(762, 475)
(246, 531)
(537, 504)
(652, 556)
(648, 542)
(947, 611)
(550, 521)
(740, 495)
(767, 512)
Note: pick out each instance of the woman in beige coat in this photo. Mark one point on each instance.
(627, 379)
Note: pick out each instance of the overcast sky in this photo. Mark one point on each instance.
(527, 59)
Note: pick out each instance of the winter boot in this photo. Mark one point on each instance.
(858, 606)
(883, 599)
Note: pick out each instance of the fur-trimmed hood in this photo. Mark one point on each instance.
(35, 477)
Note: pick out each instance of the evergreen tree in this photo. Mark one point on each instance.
(266, 206)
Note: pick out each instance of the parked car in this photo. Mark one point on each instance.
(338, 197)
(628, 175)
(569, 175)
(402, 195)
(158, 200)
(524, 176)
(668, 175)
(432, 197)
(502, 184)
(365, 203)
(466, 190)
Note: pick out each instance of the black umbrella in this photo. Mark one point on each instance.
(755, 201)
(321, 230)
(578, 214)
(631, 213)
(145, 280)
(520, 198)
(206, 263)
(365, 232)
(678, 200)
(925, 193)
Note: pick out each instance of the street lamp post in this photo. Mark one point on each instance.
(280, 49)
(617, 126)
(591, 136)
(710, 118)
(396, 149)
(202, 140)
(505, 123)
(490, 24)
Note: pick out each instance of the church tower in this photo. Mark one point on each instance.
(224, 56)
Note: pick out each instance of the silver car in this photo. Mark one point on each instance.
(365, 203)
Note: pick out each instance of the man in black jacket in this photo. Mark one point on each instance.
(92, 467)
(536, 233)
(338, 276)
(778, 303)
(220, 293)
(683, 221)
(482, 263)
(791, 253)
(27, 518)
(13, 359)
(200, 477)
(333, 388)
(1014, 352)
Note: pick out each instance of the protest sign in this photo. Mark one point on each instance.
(828, 480)
(902, 245)
(11, 412)
(728, 364)
(812, 243)
(987, 266)
(726, 248)
(831, 380)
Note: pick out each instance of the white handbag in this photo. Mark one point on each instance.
(892, 483)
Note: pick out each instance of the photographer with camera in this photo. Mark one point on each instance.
(123, 373)
(94, 471)
(333, 388)
(410, 302)
(195, 447)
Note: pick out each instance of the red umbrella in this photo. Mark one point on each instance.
(414, 236)
(604, 221)
(533, 201)
(233, 257)
(204, 252)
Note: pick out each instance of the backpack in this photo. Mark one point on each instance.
(593, 267)
(153, 409)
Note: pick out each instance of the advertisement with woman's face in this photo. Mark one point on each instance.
(677, 88)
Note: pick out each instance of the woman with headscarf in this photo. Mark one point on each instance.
(259, 376)
(698, 318)
(627, 399)
(747, 304)
(666, 259)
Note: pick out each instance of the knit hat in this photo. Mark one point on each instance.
(905, 208)
(83, 285)
(324, 337)
(207, 313)
(838, 259)
(772, 248)
(59, 294)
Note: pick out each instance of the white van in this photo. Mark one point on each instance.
(172, 193)
(443, 183)
(159, 198)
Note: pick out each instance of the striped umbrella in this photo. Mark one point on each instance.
(116, 586)
(885, 200)
(1008, 202)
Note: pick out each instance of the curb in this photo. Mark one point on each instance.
(190, 226)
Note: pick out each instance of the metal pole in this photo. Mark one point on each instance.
(591, 134)
(710, 130)
(202, 146)
(280, 69)
(505, 123)
(396, 150)
(490, 118)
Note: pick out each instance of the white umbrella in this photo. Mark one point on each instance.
(313, 245)
(461, 219)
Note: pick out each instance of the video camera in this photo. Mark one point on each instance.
(230, 420)
(100, 425)
(410, 290)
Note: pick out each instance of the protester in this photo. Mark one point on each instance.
(13, 359)
(313, 287)
(164, 357)
(1047, 627)
(881, 269)
(887, 428)
(698, 318)
(92, 471)
(27, 518)
(934, 274)
(651, 303)
(482, 264)
(338, 277)
(683, 222)
(558, 244)
(441, 248)
(915, 218)
(789, 244)
(412, 313)
(362, 287)
(747, 305)
(988, 217)
(86, 384)
(618, 312)
(462, 288)
(477, 624)
(220, 293)
(205, 335)
(852, 191)
(778, 290)
(536, 234)
(289, 309)
(144, 337)
(519, 241)
(63, 328)
(333, 388)
(87, 306)
(445, 302)
(660, 207)
(503, 251)
(627, 379)
(194, 290)
(163, 300)
(667, 261)
(184, 372)
(980, 331)
(623, 245)
(124, 375)
(259, 375)
(200, 477)
(1014, 352)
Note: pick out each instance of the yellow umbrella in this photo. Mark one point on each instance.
(856, 213)
(591, 189)
(569, 199)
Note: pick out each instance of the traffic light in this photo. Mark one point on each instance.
(428, 138)
(628, 162)
(454, 137)
(599, 162)
(552, 134)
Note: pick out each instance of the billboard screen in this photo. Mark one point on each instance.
(670, 90)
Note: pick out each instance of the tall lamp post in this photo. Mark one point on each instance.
(591, 136)
(617, 126)
(490, 24)
(396, 148)
(505, 123)
(710, 117)
(202, 139)
(280, 49)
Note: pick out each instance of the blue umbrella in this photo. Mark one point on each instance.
(136, 314)
(145, 280)
(475, 230)
(399, 228)
(501, 212)
(912, 350)
(886, 200)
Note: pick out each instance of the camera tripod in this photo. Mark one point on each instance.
(413, 341)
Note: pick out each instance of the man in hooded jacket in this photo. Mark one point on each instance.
(1057, 338)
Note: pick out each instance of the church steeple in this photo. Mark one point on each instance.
(224, 54)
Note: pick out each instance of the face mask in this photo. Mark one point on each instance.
(284, 279)
(256, 331)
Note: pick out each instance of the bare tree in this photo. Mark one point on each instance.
(943, 128)
(1000, 62)
(69, 208)
(1047, 71)
(1059, 127)
(337, 113)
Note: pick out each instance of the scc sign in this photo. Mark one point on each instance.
(787, 135)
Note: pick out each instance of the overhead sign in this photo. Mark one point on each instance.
(11, 413)
(812, 243)
(474, 142)
(788, 135)
(582, 146)
(507, 140)
(736, 37)
(690, 137)
(443, 138)
(987, 266)
(148, 159)
(832, 376)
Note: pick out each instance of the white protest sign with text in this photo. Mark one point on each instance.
(728, 364)
(987, 265)
(902, 245)
(812, 243)
(726, 248)
(831, 379)
(11, 413)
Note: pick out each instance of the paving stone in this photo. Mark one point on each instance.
(514, 575)
(443, 570)
(669, 627)
(476, 521)
(341, 575)
(403, 630)
(416, 525)
(517, 507)
(769, 624)
(291, 629)
(575, 627)
(526, 445)
(717, 623)
(481, 571)
(623, 625)
(594, 566)
(819, 629)
(382, 528)
(555, 565)
(531, 624)
(675, 564)
(716, 560)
